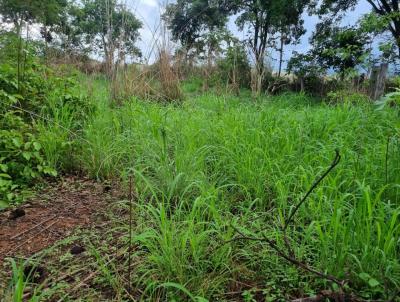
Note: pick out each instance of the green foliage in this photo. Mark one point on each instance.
(347, 97)
(389, 100)
(106, 24)
(266, 18)
(29, 108)
(339, 48)
(21, 280)
(235, 66)
(21, 160)
(384, 16)
(188, 20)
(304, 65)
(47, 12)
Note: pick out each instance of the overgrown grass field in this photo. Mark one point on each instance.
(213, 170)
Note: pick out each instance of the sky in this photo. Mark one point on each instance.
(148, 11)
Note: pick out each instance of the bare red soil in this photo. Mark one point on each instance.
(50, 216)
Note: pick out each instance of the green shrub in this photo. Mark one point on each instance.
(234, 68)
(391, 99)
(39, 112)
(21, 158)
(346, 97)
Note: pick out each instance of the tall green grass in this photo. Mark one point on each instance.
(214, 162)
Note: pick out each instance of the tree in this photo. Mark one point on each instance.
(198, 25)
(376, 25)
(110, 28)
(304, 66)
(389, 10)
(341, 49)
(189, 20)
(47, 12)
(290, 27)
(18, 12)
(235, 66)
(264, 19)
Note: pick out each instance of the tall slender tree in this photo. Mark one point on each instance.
(198, 25)
(263, 19)
(109, 27)
(192, 21)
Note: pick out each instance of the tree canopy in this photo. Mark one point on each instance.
(45, 12)
(389, 11)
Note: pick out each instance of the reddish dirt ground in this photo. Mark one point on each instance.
(50, 216)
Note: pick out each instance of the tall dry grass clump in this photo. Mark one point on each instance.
(169, 78)
(134, 81)
(157, 82)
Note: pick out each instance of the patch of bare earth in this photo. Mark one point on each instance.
(50, 216)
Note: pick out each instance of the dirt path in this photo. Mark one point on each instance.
(52, 215)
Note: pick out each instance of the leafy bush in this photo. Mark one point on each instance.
(391, 99)
(31, 97)
(234, 67)
(21, 159)
(346, 97)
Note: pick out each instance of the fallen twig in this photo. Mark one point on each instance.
(22, 243)
(331, 296)
(32, 228)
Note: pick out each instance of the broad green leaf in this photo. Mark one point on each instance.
(17, 142)
(27, 155)
(10, 196)
(37, 146)
(3, 167)
(3, 204)
(364, 276)
(373, 282)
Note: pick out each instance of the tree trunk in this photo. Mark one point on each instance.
(302, 84)
(281, 55)
(377, 82)
(206, 84)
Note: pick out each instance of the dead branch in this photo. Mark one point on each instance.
(334, 163)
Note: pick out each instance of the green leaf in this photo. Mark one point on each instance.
(37, 156)
(364, 276)
(27, 155)
(50, 171)
(17, 142)
(4, 168)
(4, 175)
(10, 196)
(373, 282)
(37, 146)
(3, 204)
